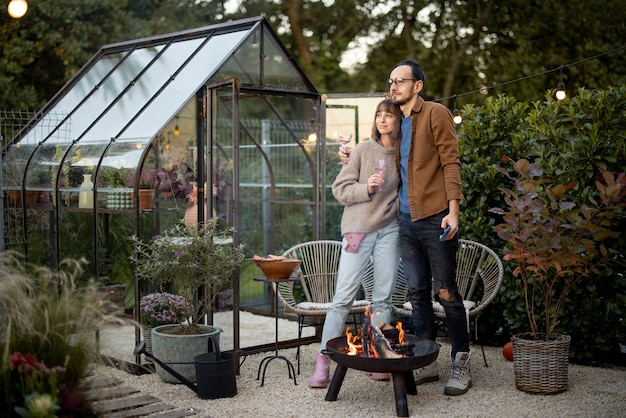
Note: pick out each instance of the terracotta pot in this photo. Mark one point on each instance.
(43, 197)
(15, 196)
(191, 215)
(145, 199)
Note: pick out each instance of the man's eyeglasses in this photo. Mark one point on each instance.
(399, 80)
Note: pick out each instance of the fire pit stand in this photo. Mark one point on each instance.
(403, 383)
(423, 353)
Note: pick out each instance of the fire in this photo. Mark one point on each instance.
(400, 332)
(355, 342)
(353, 348)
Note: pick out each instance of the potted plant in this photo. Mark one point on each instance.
(190, 261)
(161, 308)
(42, 177)
(175, 182)
(147, 181)
(554, 243)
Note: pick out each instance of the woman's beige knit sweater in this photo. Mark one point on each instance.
(364, 212)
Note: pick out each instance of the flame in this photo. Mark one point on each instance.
(353, 348)
(400, 332)
(355, 342)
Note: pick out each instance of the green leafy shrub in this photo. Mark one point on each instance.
(569, 139)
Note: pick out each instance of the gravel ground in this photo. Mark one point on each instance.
(592, 392)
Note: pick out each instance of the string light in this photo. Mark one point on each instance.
(485, 89)
(176, 130)
(17, 8)
(560, 87)
(456, 115)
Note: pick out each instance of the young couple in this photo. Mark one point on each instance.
(418, 138)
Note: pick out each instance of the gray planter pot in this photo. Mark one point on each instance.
(179, 351)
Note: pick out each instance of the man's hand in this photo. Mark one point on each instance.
(451, 220)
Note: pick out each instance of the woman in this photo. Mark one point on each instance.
(369, 227)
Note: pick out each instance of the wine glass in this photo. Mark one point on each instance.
(344, 140)
(379, 168)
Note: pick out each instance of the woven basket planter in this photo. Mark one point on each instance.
(541, 366)
(146, 331)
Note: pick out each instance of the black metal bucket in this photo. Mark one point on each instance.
(215, 373)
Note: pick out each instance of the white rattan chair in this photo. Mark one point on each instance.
(310, 298)
(479, 273)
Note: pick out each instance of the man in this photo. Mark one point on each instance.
(430, 191)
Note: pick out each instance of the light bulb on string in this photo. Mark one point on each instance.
(456, 115)
(560, 87)
(17, 8)
(176, 129)
(457, 118)
(560, 91)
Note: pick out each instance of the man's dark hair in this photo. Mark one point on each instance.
(416, 70)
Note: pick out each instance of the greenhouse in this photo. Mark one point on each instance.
(222, 113)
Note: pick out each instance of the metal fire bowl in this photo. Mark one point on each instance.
(423, 351)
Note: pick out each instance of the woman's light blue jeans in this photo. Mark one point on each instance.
(383, 246)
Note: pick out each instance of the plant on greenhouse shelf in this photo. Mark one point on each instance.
(163, 308)
(177, 180)
(147, 178)
(188, 259)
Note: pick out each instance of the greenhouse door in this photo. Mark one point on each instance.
(220, 110)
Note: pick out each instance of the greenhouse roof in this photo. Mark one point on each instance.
(132, 89)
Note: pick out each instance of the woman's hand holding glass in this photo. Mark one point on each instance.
(379, 167)
(344, 149)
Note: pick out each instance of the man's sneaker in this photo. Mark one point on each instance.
(460, 379)
(320, 376)
(429, 373)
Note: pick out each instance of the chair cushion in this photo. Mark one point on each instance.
(313, 306)
(468, 304)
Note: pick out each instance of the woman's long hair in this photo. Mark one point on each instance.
(388, 106)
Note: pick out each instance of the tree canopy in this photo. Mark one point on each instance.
(464, 46)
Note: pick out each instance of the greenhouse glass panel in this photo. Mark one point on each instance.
(185, 84)
(110, 94)
(277, 160)
(271, 73)
(79, 91)
(276, 72)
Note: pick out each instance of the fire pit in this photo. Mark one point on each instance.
(421, 353)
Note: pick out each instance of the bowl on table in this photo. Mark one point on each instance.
(278, 269)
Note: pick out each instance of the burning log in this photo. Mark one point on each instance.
(390, 333)
(382, 345)
(383, 341)
(395, 336)
(365, 335)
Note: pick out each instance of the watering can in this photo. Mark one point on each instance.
(215, 371)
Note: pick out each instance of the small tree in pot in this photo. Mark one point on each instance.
(190, 261)
(555, 243)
